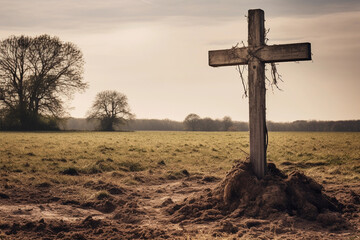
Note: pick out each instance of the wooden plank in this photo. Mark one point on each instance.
(228, 57)
(257, 90)
(268, 54)
(285, 52)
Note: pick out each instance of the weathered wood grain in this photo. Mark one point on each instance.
(285, 53)
(257, 95)
(267, 54)
(228, 57)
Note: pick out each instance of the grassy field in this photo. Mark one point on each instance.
(34, 158)
(52, 184)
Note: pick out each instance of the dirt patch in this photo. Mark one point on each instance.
(240, 206)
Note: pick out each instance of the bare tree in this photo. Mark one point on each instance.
(192, 122)
(111, 108)
(227, 123)
(35, 75)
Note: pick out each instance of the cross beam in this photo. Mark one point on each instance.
(267, 54)
(256, 55)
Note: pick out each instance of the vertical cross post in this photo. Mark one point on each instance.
(257, 120)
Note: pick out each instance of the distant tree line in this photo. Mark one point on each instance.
(83, 124)
(215, 125)
(316, 126)
(154, 125)
(194, 123)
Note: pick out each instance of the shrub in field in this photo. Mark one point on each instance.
(70, 171)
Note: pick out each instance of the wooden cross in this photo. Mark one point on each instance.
(256, 55)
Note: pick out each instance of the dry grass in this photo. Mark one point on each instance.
(70, 157)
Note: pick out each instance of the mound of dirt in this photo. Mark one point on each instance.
(242, 194)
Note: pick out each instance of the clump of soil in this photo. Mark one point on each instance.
(241, 194)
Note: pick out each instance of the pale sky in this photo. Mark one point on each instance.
(156, 53)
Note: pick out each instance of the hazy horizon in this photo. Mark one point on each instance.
(234, 120)
(156, 53)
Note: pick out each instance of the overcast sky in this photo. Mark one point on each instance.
(156, 53)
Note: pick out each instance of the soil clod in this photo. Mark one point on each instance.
(4, 196)
(242, 194)
(70, 171)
